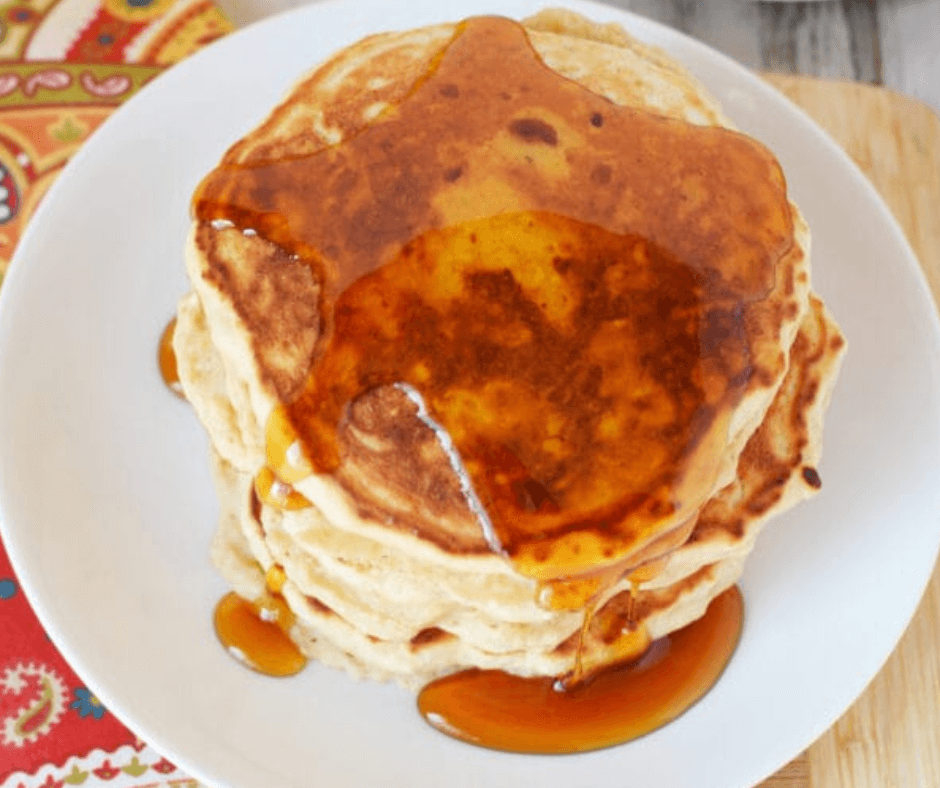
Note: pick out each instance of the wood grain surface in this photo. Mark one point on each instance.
(890, 738)
(880, 42)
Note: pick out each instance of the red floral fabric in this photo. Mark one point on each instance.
(64, 66)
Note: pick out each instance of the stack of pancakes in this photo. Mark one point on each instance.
(391, 562)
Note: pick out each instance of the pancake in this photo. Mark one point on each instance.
(395, 558)
(449, 615)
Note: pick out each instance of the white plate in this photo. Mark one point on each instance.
(107, 508)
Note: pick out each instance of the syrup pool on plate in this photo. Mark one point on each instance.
(622, 702)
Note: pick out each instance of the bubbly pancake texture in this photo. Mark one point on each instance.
(409, 551)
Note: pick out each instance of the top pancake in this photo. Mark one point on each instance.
(262, 291)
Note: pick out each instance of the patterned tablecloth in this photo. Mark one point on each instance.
(64, 67)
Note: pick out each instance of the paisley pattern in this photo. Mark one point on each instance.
(64, 67)
(38, 702)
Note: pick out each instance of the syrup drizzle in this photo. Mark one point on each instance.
(564, 282)
(166, 360)
(255, 633)
(530, 715)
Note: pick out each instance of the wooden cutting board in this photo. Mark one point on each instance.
(890, 737)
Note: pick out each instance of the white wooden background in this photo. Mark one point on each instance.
(895, 43)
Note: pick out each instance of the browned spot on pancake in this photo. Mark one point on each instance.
(429, 636)
(597, 120)
(276, 298)
(811, 477)
(534, 130)
(319, 607)
(770, 492)
(255, 506)
(736, 527)
(764, 378)
(788, 285)
(601, 174)
(837, 342)
(647, 603)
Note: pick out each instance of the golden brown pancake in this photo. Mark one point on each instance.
(414, 542)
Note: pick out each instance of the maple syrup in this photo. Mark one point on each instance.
(272, 491)
(255, 633)
(619, 703)
(166, 359)
(563, 280)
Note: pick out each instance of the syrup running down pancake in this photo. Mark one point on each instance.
(505, 343)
